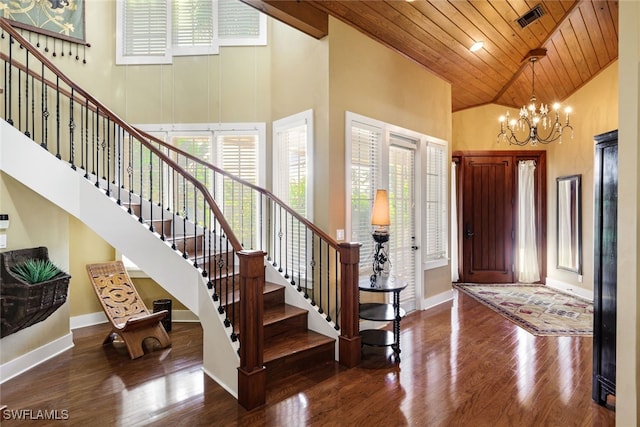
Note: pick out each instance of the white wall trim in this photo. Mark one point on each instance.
(90, 319)
(85, 320)
(569, 288)
(435, 300)
(35, 357)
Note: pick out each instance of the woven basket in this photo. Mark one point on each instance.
(25, 304)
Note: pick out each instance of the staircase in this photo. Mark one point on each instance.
(297, 310)
(290, 346)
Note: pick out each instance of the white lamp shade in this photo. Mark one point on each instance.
(380, 211)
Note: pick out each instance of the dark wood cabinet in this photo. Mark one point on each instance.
(605, 266)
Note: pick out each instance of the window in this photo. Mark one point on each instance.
(238, 148)
(436, 212)
(292, 176)
(292, 169)
(153, 31)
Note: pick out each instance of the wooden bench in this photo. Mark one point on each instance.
(129, 317)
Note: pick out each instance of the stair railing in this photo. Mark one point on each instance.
(48, 107)
(139, 170)
(322, 269)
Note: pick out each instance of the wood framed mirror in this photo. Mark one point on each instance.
(569, 223)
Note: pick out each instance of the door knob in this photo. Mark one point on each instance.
(467, 233)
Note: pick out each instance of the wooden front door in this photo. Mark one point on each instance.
(488, 226)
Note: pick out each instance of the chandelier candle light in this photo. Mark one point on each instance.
(526, 129)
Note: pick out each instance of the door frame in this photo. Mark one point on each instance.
(540, 157)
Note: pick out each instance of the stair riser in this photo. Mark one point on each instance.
(296, 323)
(162, 227)
(189, 244)
(299, 362)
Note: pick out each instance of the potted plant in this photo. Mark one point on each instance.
(32, 287)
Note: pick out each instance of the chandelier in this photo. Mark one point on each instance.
(535, 124)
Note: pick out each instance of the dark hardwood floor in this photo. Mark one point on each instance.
(462, 365)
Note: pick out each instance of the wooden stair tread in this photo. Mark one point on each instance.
(293, 344)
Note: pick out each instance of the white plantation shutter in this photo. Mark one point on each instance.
(293, 144)
(238, 155)
(292, 138)
(193, 27)
(142, 35)
(436, 203)
(152, 31)
(402, 210)
(365, 180)
(240, 24)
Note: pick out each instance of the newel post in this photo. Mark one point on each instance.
(349, 340)
(252, 376)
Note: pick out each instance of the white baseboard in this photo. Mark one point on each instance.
(181, 316)
(437, 299)
(87, 320)
(568, 288)
(35, 357)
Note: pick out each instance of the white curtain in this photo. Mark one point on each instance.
(454, 225)
(527, 253)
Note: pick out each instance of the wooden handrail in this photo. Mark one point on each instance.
(333, 243)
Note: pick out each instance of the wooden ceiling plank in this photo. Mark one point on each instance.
(590, 37)
(499, 31)
(299, 15)
(566, 45)
(497, 52)
(575, 50)
(518, 8)
(595, 34)
(564, 56)
(549, 92)
(495, 69)
(561, 74)
(608, 25)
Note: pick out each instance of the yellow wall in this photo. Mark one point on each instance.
(299, 82)
(33, 222)
(595, 109)
(369, 79)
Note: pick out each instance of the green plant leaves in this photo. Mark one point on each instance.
(36, 270)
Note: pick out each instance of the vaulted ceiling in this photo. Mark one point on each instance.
(580, 38)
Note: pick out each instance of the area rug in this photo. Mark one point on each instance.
(538, 309)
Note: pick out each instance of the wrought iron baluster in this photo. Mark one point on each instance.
(96, 143)
(58, 118)
(151, 228)
(45, 112)
(319, 278)
(195, 227)
(109, 156)
(72, 127)
(26, 90)
(86, 139)
(118, 169)
(130, 171)
(141, 171)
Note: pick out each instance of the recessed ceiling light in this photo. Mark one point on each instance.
(476, 46)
